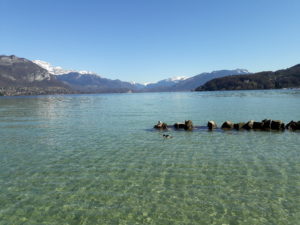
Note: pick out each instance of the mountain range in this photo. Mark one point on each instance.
(286, 78)
(20, 76)
(91, 82)
(193, 82)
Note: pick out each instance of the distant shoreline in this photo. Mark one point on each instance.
(96, 93)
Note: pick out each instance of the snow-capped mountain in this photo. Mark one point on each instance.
(242, 71)
(91, 82)
(183, 83)
(57, 70)
(166, 83)
(20, 76)
(198, 80)
(86, 81)
(176, 79)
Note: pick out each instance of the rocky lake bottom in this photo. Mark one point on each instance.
(96, 159)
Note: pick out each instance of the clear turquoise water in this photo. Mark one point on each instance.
(94, 159)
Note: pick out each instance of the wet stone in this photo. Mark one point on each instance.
(227, 125)
(211, 125)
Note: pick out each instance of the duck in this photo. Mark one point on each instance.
(167, 136)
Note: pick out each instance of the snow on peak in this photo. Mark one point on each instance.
(57, 70)
(242, 71)
(85, 72)
(168, 81)
(177, 78)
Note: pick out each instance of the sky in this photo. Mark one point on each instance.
(150, 40)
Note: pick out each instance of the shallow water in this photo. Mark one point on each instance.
(94, 159)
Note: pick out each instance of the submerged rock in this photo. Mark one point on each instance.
(257, 125)
(238, 126)
(293, 125)
(277, 125)
(266, 124)
(227, 125)
(161, 125)
(211, 125)
(179, 125)
(188, 125)
(249, 125)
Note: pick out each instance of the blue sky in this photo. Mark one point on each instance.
(149, 40)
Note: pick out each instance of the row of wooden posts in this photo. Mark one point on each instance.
(265, 124)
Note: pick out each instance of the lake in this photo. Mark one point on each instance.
(95, 159)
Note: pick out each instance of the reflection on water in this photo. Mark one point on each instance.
(90, 159)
